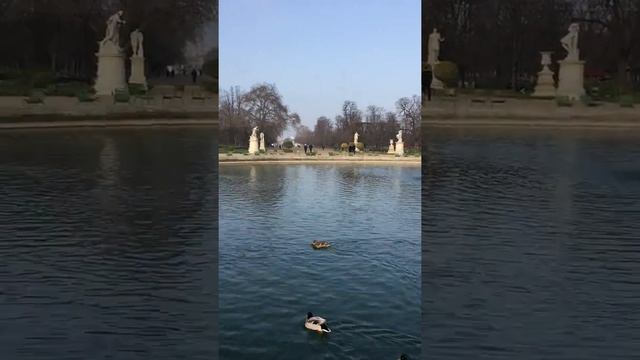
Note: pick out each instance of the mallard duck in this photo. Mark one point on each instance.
(317, 244)
(316, 323)
(404, 357)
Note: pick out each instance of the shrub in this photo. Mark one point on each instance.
(344, 146)
(447, 72)
(287, 145)
(331, 153)
(287, 150)
(360, 146)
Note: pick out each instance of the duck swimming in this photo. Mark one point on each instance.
(316, 323)
(317, 244)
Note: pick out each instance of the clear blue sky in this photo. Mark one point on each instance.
(320, 53)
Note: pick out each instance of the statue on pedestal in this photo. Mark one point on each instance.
(433, 47)
(571, 73)
(110, 75)
(114, 23)
(253, 141)
(137, 38)
(433, 57)
(399, 136)
(391, 150)
(570, 42)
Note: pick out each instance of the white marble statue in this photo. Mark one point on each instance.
(399, 144)
(433, 47)
(571, 72)
(392, 149)
(113, 29)
(254, 147)
(136, 43)
(355, 138)
(570, 42)
(262, 145)
(545, 85)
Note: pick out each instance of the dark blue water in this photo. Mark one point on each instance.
(531, 245)
(108, 244)
(367, 285)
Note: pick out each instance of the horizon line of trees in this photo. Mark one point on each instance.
(262, 106)
(497, 42)
(62, 36)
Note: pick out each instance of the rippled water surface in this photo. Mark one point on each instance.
(107, 244)
(531, 245)
(367, 285)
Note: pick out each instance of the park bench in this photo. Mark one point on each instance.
(172, 94)
(146, 98)
(37, 97)
(198, 95)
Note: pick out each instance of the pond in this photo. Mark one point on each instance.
(367, 285)
(108, 244)
(531, 247)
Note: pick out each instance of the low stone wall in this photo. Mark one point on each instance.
(531, 112)
(14, 106)
(321, 157)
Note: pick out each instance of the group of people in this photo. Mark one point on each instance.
(308, 147)
(172, 70)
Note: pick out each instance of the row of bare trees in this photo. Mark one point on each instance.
(262, 106)
(62, 35)
(375, 125)
(501, 39)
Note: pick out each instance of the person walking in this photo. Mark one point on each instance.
(426, 82)
(305, 148)
(194, 75)
(310, 148)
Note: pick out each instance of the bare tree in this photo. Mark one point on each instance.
(409, 111)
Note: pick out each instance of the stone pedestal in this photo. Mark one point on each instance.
(392, 150)
(545, 85)
(571, 79)
(253, 145)
(400, 148)
(137, 71)
(436, 84)
(111, 69)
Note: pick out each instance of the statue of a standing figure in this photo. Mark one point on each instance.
(433, 47)
(113, 29)
(254, 133)
(399, 136)
(570, 42)
(355, 138)
(136, 43)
